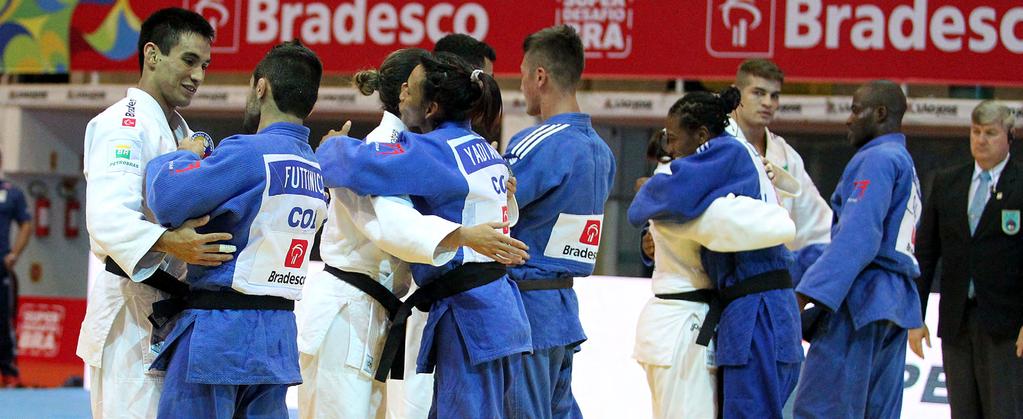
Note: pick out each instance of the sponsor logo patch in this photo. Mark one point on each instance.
(389, 149)
(575, 237)
(125, 157)
(591, 233)
(296, 253)
(128, 122)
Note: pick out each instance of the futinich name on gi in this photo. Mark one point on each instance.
(285, 278)
(579, 253)
(302, 178)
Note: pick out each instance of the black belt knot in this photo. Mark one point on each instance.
(455, 281)
(374, 289)
(718, 300)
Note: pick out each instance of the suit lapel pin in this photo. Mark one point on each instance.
(998, 196)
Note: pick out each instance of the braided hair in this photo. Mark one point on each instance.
(460, 91)
(706, 109)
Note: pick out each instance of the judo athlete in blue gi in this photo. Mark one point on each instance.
(232, 352)
(564, 172)
(865, 277)
(758, 347)
(476, 319)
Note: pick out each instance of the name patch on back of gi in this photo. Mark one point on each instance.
(290, 177)
(476, 155)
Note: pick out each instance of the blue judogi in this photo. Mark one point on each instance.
(452, 173)
(758, 345)
(865, 279)
(564, 172)
(267, 191)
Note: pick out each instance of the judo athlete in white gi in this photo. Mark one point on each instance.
(476, 316)
(564, 172)
(232, 351)
(681, 374)
(416, 389)
(343, 319)
(760, 82)
(758, 347)
(865, 278)
(116, 339)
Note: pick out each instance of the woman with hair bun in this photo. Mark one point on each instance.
(366, 246)
(757, 342)
(477, 321)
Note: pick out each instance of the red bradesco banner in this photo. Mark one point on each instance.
(942, 41)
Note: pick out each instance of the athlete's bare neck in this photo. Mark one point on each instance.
(146, 84)
(556, 103)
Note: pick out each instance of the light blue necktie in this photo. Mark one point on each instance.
(977, 204)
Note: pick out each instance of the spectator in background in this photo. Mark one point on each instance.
(12, 209)
(971, 223)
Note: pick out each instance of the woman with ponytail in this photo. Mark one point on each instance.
(476, 318)
(366, 242)
(756, 351)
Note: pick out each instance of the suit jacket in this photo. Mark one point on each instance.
(992, 256)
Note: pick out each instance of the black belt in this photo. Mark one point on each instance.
(699, 296)
(215, 300)
(545, 284)
(367, 285)
(160, 280)
(456, 281)
(767, 281)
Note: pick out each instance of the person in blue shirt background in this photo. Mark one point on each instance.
(758, 348)
(864, 279)
(476, 321)
(233, 351)
(13, 209)
(564, 172)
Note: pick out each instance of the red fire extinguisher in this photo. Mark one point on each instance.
(41, 215)
(71, 208)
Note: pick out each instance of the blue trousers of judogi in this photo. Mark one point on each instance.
(463, 390)
(760, 388)
(182, 399)
(853, 373)
(543, 385)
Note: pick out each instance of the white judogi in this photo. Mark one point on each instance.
(680, 373)
(808, 209)
(115, 339)
(341, 330)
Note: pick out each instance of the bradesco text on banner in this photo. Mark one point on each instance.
(942, 41)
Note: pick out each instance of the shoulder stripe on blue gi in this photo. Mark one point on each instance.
(536, 137)
(536, 141)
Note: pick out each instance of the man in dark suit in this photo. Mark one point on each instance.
(971, 223)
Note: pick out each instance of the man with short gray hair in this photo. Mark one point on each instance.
(971, 223)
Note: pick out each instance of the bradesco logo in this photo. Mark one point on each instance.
(740, 28)
(296, 253)
(360, 22)
(226, 18)
(591, 233)
(914, 25)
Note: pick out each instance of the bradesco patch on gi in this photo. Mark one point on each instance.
(125, 156)
(293, 207)
(575, 237)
